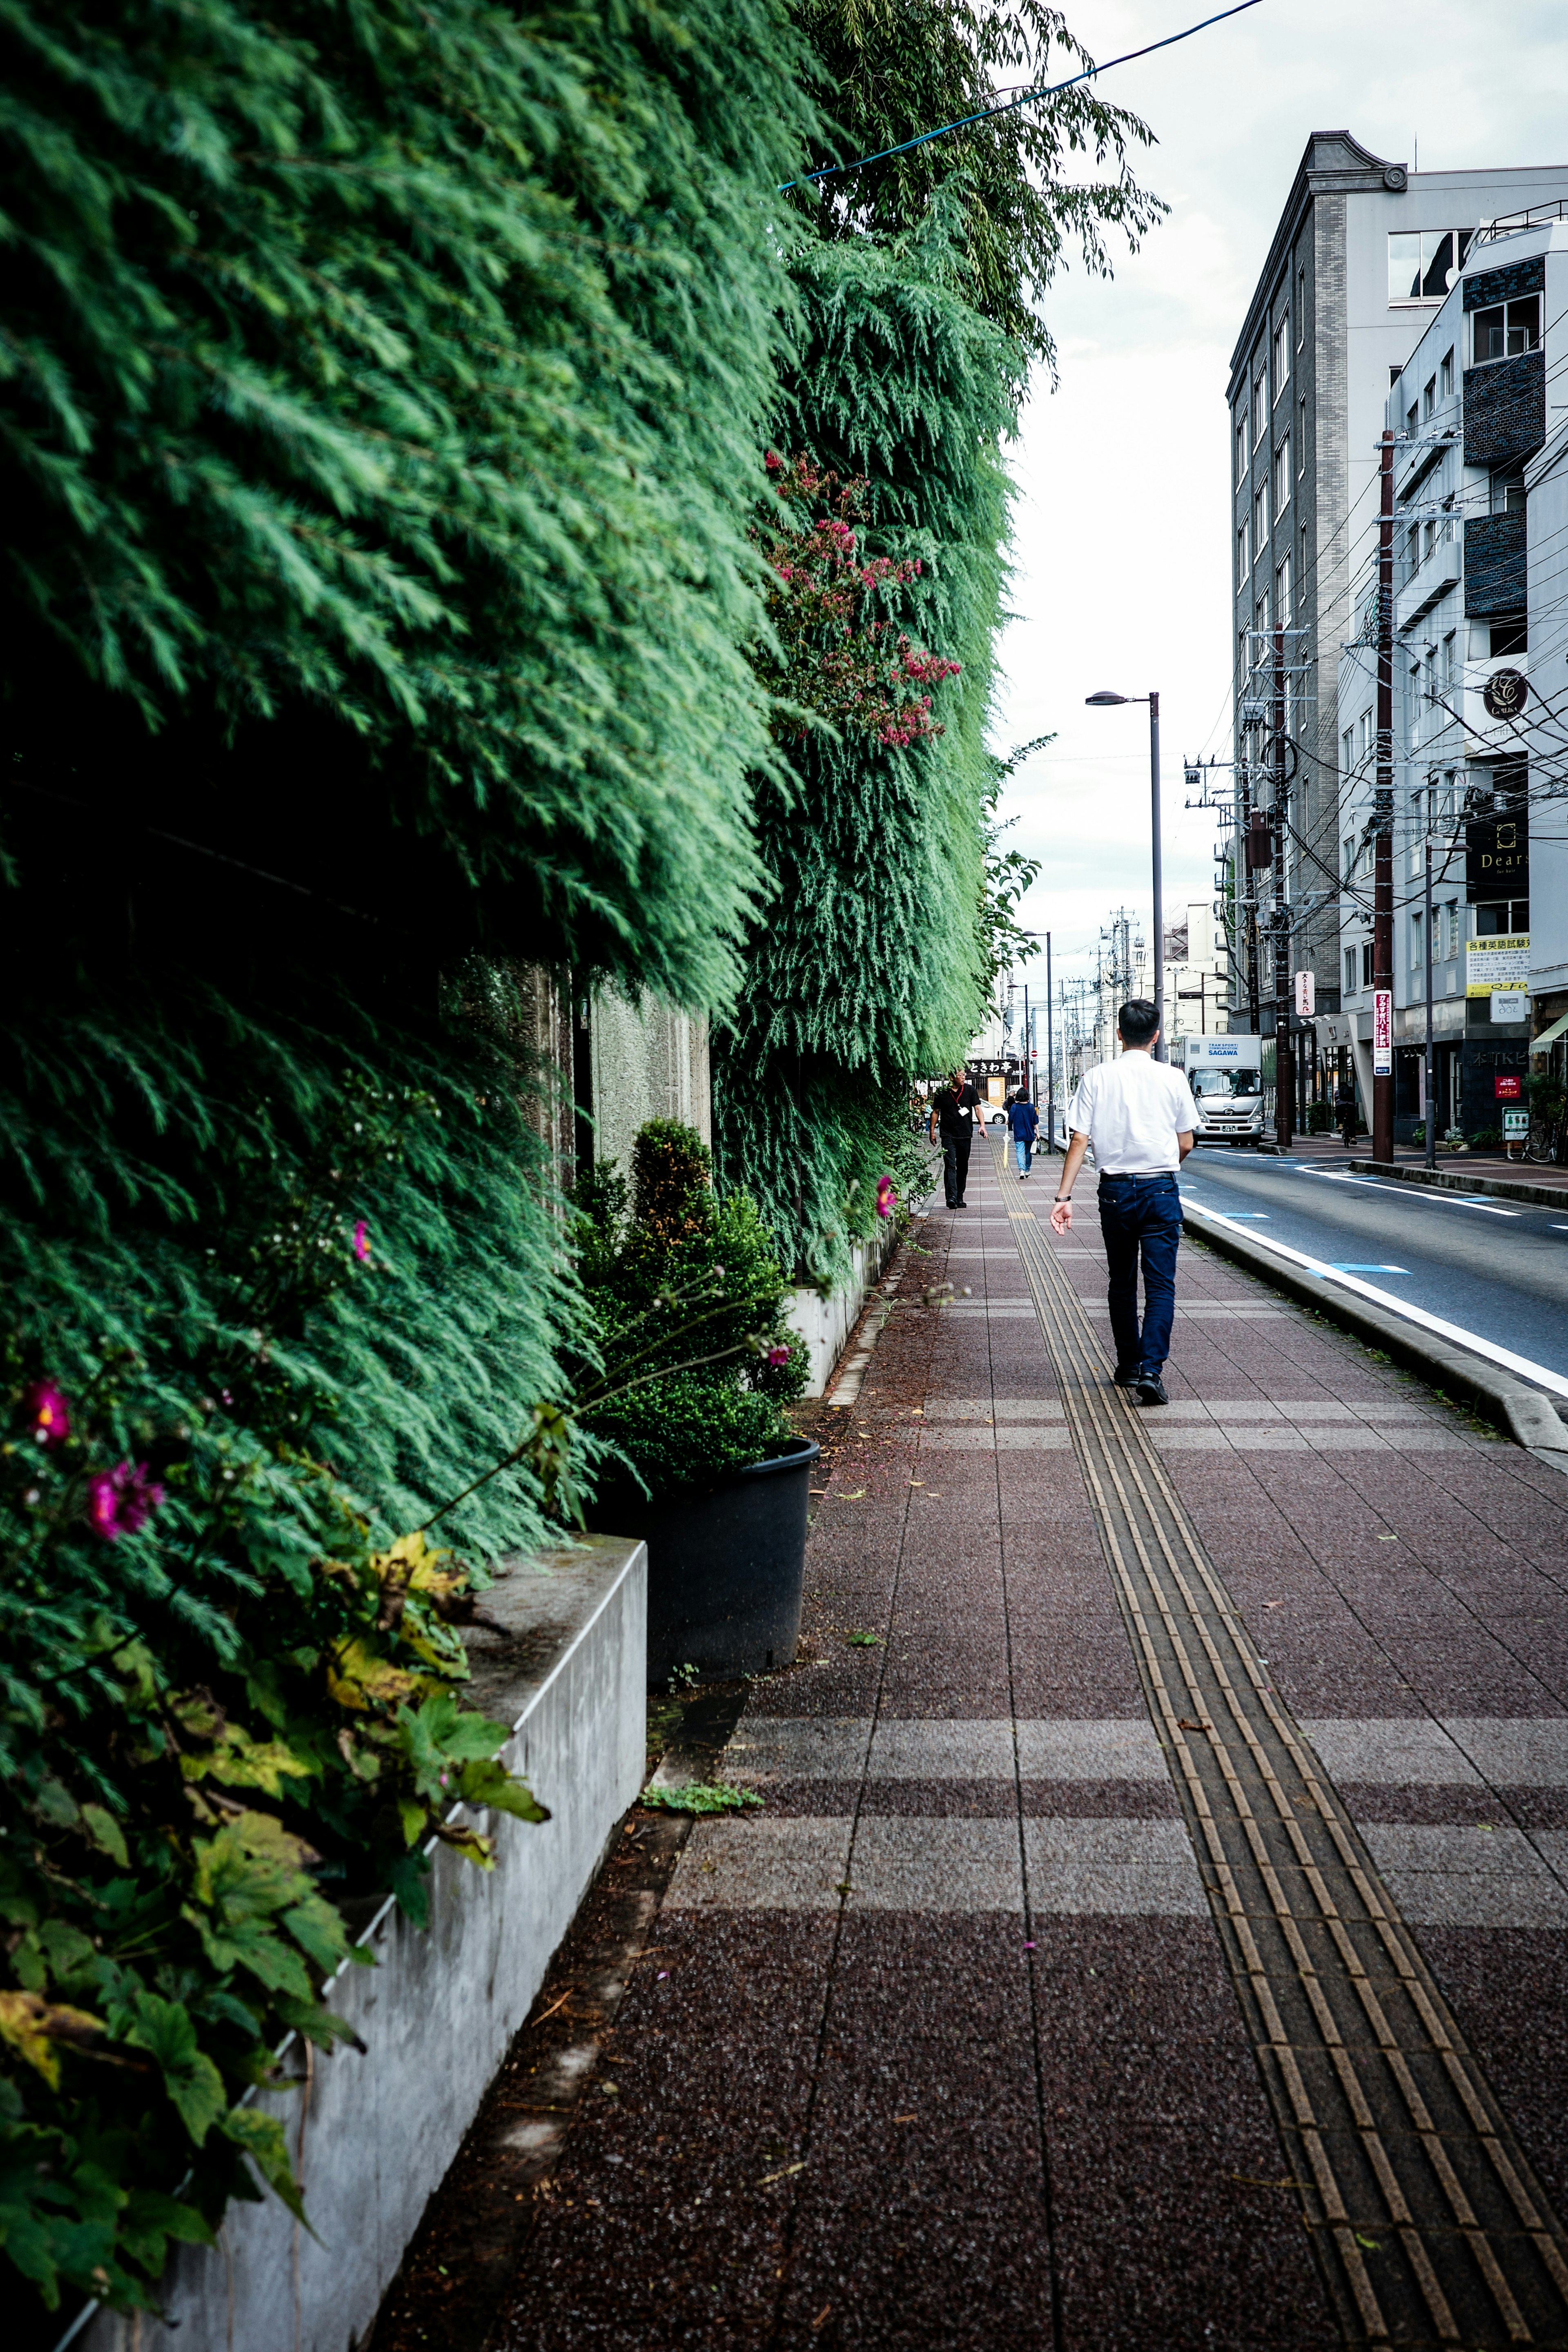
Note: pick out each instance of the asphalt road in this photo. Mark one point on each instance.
(1498, 1269)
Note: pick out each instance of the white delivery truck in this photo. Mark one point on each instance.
(1226, 1076)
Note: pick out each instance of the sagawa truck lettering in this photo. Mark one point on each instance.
(1225, 1073)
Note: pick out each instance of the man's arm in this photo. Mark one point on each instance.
(1061, 1209)
(1185, 1143)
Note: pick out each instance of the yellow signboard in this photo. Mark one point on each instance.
(1492, 965)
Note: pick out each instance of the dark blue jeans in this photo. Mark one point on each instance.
(1142, 1213)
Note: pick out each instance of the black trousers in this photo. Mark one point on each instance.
(955, 1164)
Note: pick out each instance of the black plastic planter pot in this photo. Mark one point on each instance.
(724, 1567)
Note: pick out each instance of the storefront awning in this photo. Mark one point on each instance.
(1550, 1037)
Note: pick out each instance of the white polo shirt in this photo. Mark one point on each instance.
(1132, 1111)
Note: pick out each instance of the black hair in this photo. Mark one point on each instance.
(1138, 1019)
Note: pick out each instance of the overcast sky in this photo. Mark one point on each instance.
(1122, 524)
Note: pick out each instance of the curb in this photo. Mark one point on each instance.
(1527, 1414)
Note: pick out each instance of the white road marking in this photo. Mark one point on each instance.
(1505, 1356)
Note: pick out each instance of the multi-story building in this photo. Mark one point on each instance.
(1364, 252)
(1196, 987)
(1477, 627)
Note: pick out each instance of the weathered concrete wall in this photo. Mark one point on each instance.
(824, 1324)
(375, 2135)
(649, 1062)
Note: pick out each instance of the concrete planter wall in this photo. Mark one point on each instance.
(824, 1324)
(374, 2135)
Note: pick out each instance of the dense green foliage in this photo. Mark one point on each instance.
(394, 372)
(382, 387)
(870, 967)
(685, 1295)
(229, 1677)
(894, 68)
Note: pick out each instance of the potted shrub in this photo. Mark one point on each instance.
(687, 1296)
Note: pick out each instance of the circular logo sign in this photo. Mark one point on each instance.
(1505, 694)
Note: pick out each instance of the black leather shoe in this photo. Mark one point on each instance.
(1151, 1388)
(1125, 1376)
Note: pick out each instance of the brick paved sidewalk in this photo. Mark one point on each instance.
(945, 2048)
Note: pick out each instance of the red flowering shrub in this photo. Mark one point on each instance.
(843, 658)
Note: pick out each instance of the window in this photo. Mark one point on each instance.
(1347, 744)
(1282, 595)
(1414, 704)
(1508, 637)
(1302, 436)
(1412, 547)
(1347, 849)
(1366, 964)
(1451, 929)
(1259, 519)
(1507, 496)
(1241, 563)
(1428, 539)
(1418, 942)
(1429, 398)
(1241, 447)
(1365, 733)
(1281, 355)
(1446, 373)
(1422, 262)
(1350, 971)
(1506, 328)
(1300, 304)
(1259, 403)
(1281, 477)
(1432, 686)
(1412, 419)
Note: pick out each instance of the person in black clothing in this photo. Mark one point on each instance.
(955, 1110)
(1345, 1112)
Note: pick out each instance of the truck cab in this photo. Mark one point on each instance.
(1226, 1075)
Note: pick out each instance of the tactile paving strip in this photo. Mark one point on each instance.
(1427, 2218)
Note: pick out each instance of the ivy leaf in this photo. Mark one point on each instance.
(358, 1677)
(319, 1929)
(261, 2137)
(439, 1734)
(253, 1944)
(322, 2026)
(150, 2220)
(167, 2030)
(487, 1781)
(106, 1833)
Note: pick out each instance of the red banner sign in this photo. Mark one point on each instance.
(1507, 1089)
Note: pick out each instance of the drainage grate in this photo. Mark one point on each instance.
(1427, 2220)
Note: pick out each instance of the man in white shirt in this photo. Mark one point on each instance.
(1141, 1117)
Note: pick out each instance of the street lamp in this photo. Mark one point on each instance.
(1103, 700)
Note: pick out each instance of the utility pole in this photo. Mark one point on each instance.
(1284, 1059)
(1051, 1060)
(1158, 1055)
(1248, 908)
(1028, 1064)
(1382, 817)
(1428, 1074)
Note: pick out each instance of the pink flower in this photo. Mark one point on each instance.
(45, 1409)
(120, 1500)
(886, 1195)
(362, 1244)
(774, 462)
(776, 1356)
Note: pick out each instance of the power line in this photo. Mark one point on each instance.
(1025, 97)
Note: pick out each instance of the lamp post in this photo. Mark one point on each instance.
(1104, 699)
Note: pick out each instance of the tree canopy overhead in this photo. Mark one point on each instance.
(892, 69)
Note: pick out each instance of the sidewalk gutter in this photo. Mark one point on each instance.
(1526, 1413)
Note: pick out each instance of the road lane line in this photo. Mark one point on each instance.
(1539, 1373)
(1409, 1193)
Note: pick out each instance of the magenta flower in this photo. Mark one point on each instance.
(120, 1500)
(361, 1244)
(887, 1195)
(778, 1355)
(47, 1410)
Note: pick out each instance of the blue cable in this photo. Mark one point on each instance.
(830, 170)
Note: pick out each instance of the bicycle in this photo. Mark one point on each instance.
(1543, 1141)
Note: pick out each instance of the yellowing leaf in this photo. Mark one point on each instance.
(468, 1843)
(358, 1677)
(106, 1833)
(36, 2027)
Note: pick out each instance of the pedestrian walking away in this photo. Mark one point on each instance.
(1024, 1121)
(1345, 1112)
(955, 1111)
(1141, 1117)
